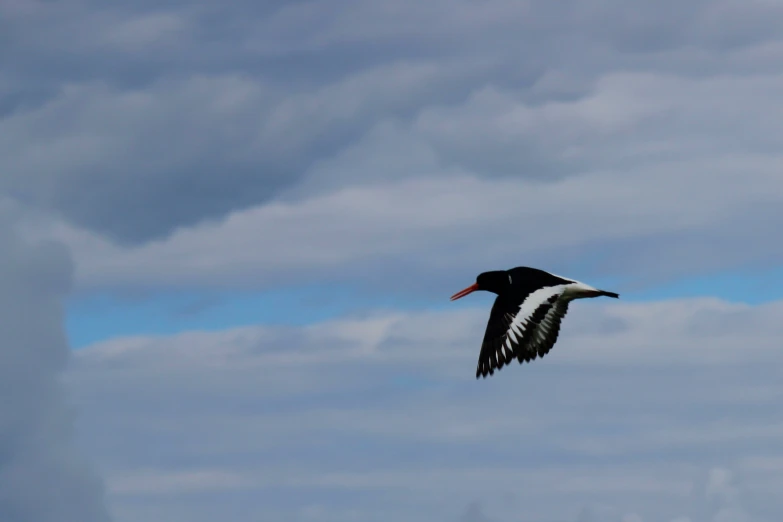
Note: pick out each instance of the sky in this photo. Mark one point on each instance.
(229, 232)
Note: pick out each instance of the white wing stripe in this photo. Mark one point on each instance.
(530, 304)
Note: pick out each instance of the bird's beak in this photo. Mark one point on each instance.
(463, 293)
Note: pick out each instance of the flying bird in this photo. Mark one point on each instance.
(525, 320)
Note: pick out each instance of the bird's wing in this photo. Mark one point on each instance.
(546, 332)
(511, 327)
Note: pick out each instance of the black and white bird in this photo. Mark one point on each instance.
(525, 320)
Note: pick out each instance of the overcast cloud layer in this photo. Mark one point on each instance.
(357, 136)
(183, 145)
(653, 411)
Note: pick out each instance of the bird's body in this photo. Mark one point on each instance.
(525, 319)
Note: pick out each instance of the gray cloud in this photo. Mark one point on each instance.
(652, 176)
(135, 121)
(658, 224)
(381, 419)
(42, 477)
(196, 144)
(474, 513)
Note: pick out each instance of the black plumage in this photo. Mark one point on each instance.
(525, 319)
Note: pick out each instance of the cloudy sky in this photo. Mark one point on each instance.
(229, 232)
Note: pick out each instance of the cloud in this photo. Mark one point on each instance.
(380, 418)
(397, 147)
(172, 114)
(42, 476)
(645, 177)
(722, 490)
(688, 219)
(474, 513)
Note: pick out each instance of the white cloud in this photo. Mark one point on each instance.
(228, 107)
(660, 175)
(383, 416)
(262, 144)
(461, 222)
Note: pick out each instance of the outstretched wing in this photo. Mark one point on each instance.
(547, 332)
(493, 352)
(512, 327)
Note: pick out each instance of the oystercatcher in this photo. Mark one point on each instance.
(525, 320)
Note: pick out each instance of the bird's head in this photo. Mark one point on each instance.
(495, 281)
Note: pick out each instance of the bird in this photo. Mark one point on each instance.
(525, 319)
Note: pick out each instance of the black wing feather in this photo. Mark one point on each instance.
(549, 329)
(500, 318)
(495, 352)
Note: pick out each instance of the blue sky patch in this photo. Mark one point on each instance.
(98, 317)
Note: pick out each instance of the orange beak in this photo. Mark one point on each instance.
(463, 293)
